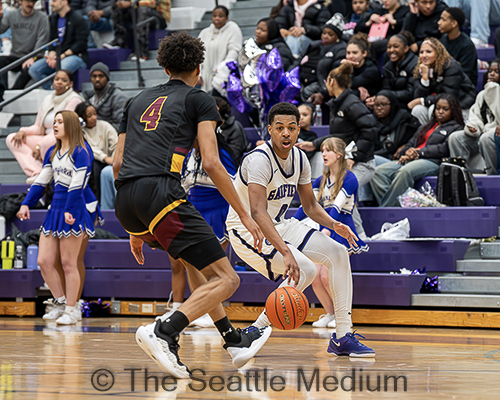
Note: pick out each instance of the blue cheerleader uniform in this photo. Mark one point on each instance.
(204, 195)
(70, 173)
(339, 208)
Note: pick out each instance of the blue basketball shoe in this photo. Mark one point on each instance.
(349, 345)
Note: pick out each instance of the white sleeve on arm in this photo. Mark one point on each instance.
(256, 168)
(305, 176)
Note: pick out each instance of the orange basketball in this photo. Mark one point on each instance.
(287, 308)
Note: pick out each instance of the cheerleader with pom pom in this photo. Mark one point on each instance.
(67, 221)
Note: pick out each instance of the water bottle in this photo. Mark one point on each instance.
(319, 116)
(8, 252)
(32, 259)
(19, 259)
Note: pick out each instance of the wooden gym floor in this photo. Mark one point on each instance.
(41, 361)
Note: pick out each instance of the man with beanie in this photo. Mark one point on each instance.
(30, 30)
(107, 99)
(458, 44)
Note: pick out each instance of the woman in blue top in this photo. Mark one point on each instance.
(68, 220)
(337, 191)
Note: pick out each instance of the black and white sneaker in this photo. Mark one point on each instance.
(162, 349)
(252, 339)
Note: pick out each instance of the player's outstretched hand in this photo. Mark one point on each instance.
(136, 249)
(254, 229)
(346, 232)
(291, 269)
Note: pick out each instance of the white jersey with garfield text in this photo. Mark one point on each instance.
(280, 178)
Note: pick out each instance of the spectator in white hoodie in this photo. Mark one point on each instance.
(223, 41)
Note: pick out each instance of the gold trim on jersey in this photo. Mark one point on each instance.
(177, 162)
(164, 212)
(136, 234)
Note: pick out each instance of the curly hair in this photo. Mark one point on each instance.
(443, 58)
(180, 53)
(282, 109)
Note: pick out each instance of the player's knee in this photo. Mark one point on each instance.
(325, 279)
(233, 281)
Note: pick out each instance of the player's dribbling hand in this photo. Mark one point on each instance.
(346, 232)
(255, 231)
(136, 249)
(292, 269)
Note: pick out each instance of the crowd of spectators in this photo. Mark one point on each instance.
(377, 69)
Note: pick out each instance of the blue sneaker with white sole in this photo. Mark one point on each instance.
(349, 345)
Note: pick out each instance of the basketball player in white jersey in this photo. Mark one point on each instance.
(266, 182)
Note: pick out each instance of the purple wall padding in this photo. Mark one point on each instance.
(19, 282)
(369, 288)
(393, 255)
(8, 188)
(455, 222)
(452, 222)
(115, 254)
(385, 289)
(110, 57)
(488, 185)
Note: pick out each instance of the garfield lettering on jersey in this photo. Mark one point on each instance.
(280, 190)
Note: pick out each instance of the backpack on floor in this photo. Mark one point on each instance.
(456, 185)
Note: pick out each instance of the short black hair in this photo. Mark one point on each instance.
(282, 109)
(180, 53)
(223, 106)
(81, 109)
(224, 10)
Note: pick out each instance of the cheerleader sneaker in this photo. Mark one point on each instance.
(349, 345)
(66, 319)
(162, 349)
(203, 322)
(323, 321)
(252, 340)
(56, 312)
(77, 313)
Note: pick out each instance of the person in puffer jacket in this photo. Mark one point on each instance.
(422, 155)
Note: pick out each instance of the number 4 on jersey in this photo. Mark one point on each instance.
(152, 115)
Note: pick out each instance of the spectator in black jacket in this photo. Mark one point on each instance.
(231, 130)
(395, 127)
(360, 13)
(300, 23)
(422, 20)
(267, 37)
(458, 43)
(366, 79)
(398, 70)
(340, 6)
(72, 30)
(320, 57)
(394, 13)
(436, 72)
(351, 121)
(421, 155)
